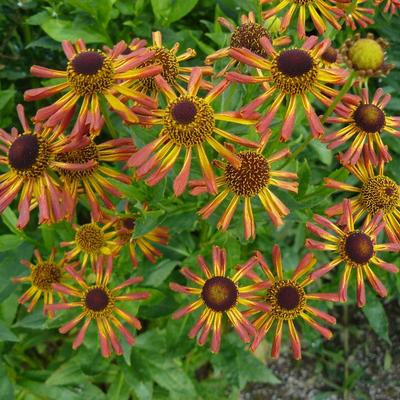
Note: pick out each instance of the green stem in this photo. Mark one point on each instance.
(346, 351)
(106, 115)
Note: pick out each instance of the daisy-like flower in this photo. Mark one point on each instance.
(366, 56)
(392, 5)
(364, 121)
(43, 273)
(91, 173)
(287, 300)
(93, 241)
(354, 13)
(29, 158)
(125, 234)
(172, 71)
(89, 74)
(376, 192)
(217, 295)
(254, 178)
(189, 122)
(319, 11)
(356, 248)
(247, 35)
(98, 302)
(291, 74)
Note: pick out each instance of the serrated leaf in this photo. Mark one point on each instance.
(6, 335)
(9, 242)
(376, 316)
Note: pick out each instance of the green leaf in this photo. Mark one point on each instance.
(6, 387)
(6, 335)
(6, 96)
(67, 373)
(60, 30)
(9, 242)
(376, 316)
(99, 10)
(324, 154)
(167, 11)
(160, 273)
(304, 178)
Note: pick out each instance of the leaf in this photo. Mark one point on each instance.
(376, 316)
(304, 178)
(60, 30)
(6, 335)
(324, 154)
(9, 242)
(6, 387)
(67, 373)
(6, 96)
(167, 11)
(161, 272)
(36, 320)
(100, 10)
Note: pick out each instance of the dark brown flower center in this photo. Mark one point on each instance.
(359, 247)
(252, 176)
(184, 112)
(248, 36)
(23, 152)
(129, 223)
(87, 62)
(96, 299)
(330, 55)
(219, 293)
(294, 62)
(44, 275)
(288, 297)
(369, 118)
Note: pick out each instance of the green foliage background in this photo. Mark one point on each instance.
(36, 362)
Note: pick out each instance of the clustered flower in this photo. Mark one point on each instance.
(62, 161)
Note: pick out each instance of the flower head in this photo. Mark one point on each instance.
(375, 192)
(189, 122)
(390, 5)
(287, 300)
(84, 169)
(356, 248)
(247, 35)
(218, 294)
(90, 74)
(93, 241)
(125, 235)
(172, 71)
(253, 178)
(43, 274)
(98, 302)
(354, 13)
(29, 158)
(290, 74)
(315, 8)
(366, 56)
(365, 121)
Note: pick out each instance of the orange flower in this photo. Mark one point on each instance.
(354, 13)
(287, 300)
(356, 248)
(392, 5)
(315, 8)
(89, 74)
(375, 192)
(289, 74)
(218, 295)
(98, 302)
(189, 122)
(254, 178)
(364, 121)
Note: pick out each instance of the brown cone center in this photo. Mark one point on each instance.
(288, 297)
(359, 247)
(23, 152)
(96, 299)
(219, 293)
(184, 112)
(369, 118)
(294, 62)
(87, 62)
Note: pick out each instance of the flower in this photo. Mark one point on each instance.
(218, 295)
(291, 73)
(366, 56)
(188, 123)
(82, 170)
(376, 192)
(172, 71)
(364, 121)
(314, 7)
(125, 235)
(98, 302)
(247, 35)
(92, 240)
(287, 300)
(253, 178)
(392, 5)
(356, 248)
(29, 158)
(43, 273)
(90, 74)
(354, 13)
